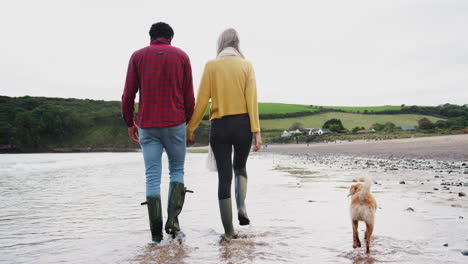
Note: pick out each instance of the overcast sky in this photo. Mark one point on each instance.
(328, 52)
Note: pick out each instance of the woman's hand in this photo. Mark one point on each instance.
(258, 142)
(190, 138)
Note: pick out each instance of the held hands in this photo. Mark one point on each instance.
(258, 142)
(190, 139)
(133, 133)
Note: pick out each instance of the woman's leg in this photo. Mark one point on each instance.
(242, 144)
(222, 150)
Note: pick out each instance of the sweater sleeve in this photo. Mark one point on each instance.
(251, 100)
(203, 96)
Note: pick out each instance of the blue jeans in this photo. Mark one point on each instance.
(152, 142)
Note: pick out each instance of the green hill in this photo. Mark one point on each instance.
(279, 108)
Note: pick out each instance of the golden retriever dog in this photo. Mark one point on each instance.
(363, 207)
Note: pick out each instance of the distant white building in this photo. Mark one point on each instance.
(408, 127)
(312, 131)
(297, 131)
(290, 133)
(323, 131)
(365, 131)
(317, 131)
(285, 134)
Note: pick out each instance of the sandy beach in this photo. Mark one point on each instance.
(449, 148)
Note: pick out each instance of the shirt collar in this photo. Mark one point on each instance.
(160, 41)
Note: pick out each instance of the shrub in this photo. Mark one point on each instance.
(334, 121)
(296, 125)
(425, 123)
(357, 128)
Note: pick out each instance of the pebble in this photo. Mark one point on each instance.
(311, 201)
(461, 217)
(410, 209)
(402, 182)
(464, 252)
(436, 189)
(461, 194)
(437, 176)
(446, 245)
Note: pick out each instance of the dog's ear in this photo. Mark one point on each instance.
(353, 189)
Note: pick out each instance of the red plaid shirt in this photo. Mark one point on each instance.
(163, 76)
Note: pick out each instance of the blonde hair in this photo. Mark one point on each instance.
(229, 38)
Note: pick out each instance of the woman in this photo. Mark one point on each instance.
(229, 81)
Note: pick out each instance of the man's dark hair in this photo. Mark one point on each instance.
(161, 30)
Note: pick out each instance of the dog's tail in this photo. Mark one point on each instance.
(366, 188)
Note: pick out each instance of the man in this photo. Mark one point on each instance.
(163, 76)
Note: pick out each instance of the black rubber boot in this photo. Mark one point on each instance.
(175, 203)
(225, 208)
(241, 193)
(155, 217)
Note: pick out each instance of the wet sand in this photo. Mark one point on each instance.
(450, 148)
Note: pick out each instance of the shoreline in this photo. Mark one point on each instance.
(446, 148)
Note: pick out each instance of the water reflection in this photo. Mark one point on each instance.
(240, 250)
(164, 253)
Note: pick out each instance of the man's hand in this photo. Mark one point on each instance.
(133, 133)
(258, 142)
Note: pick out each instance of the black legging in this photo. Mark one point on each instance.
(229, 131)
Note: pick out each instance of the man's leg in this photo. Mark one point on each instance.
(152, 152)
(174, 141)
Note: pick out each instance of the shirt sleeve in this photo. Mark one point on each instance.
(189, 99)
(203, 97)
(251, 100)
(129, 93)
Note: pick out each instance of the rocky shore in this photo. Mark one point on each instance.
(446, 148)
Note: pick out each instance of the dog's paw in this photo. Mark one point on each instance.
(357, 244)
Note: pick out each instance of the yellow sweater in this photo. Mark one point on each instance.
(230, 84)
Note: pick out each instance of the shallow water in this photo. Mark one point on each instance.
(84, 208)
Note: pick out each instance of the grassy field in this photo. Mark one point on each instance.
(362, 108)
(274, 108)
(349, 120)
(277, 108)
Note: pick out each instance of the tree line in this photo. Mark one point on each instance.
(38, 122)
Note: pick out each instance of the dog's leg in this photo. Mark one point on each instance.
(369, 230)
(356, 242)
